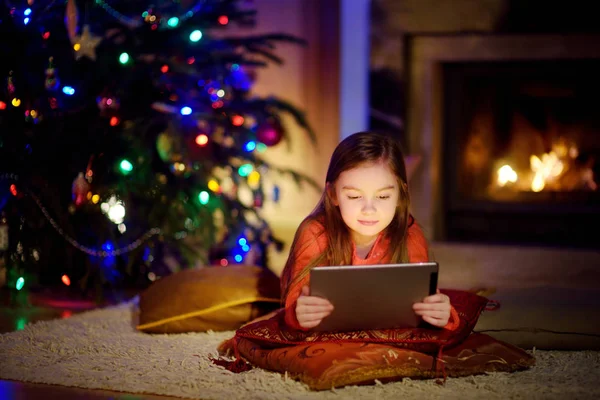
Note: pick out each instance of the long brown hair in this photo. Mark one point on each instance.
(356, 150)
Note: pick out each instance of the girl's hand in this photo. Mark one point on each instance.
(434, 309)
(310, 310)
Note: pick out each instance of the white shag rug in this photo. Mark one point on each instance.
(101, 349)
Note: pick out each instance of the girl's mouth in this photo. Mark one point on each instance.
(367, 223)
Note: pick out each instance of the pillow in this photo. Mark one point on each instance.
(209, 298)
(274, 332)
(323, 366)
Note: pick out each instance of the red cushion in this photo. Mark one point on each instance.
(273, 332)
(325, 365)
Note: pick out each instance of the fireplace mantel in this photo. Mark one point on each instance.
(427, 54)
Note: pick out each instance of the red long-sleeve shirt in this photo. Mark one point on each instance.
(313, 241)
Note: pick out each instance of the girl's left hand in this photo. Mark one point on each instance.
(434, 309)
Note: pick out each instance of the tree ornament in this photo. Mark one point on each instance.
(85, 44)
(258, 200)
(80, 189)
(51, 82)
(168, 147)
(3, 234)
(10, 84)
(71, 19)
(108, 105)
(151, 17)
(270, 132)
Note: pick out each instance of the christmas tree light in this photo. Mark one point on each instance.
(147, 116)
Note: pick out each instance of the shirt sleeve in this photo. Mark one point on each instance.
(418, 251)
(310, 243)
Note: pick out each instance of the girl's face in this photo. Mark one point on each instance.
(367, 197)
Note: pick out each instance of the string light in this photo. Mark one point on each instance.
(196, 35)
(68, 90)
(186, 110)
(250, 146)
(261, 147)
(66, 280)
(237, 120)
(245, 169)
(254, 179)
(204, 197)
(214, 186)
(20, 283)
(136, 22)
(124, 58)
(201, 140)
(87, 250)
(125, 166)
(173, 22)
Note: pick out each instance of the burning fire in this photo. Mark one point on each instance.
(556, 169)
(547, 168)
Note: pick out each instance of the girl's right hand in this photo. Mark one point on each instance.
(310, 310)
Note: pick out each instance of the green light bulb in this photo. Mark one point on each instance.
(126, 166)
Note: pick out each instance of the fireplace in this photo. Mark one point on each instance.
(509, 130)
(521, 157)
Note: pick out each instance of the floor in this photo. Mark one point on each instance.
(15, 313)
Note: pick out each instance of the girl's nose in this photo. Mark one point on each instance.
(368, 207)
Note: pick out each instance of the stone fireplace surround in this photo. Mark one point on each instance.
(465, 265)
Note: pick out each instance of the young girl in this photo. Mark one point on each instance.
(362, 218)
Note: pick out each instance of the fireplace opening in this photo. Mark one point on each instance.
(521, 152)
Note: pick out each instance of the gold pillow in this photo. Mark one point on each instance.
(209, 298)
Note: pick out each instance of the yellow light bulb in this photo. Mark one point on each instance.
(77, 46)
(16, 102)
(213, 185)
(253, 179)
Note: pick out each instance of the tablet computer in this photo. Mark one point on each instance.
(373, 296)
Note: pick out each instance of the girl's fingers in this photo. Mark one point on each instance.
(313, 301)
(437, 298)
(313, 309)
(312, 316)
(431, 307)
(311, 320)
(309, 324)
(305, 291)
(434, 321)
(434, 314)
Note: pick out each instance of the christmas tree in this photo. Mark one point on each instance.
(128, 133)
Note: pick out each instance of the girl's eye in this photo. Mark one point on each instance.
(384, 197)
(353, 197)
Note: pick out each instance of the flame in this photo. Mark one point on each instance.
(545, 169)
(506, 174)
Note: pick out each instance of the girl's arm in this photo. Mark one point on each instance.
(310, 243)
(418, 251)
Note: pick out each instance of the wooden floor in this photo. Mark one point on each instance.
(41, 308)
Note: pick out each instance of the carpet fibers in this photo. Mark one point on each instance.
(102, 350)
